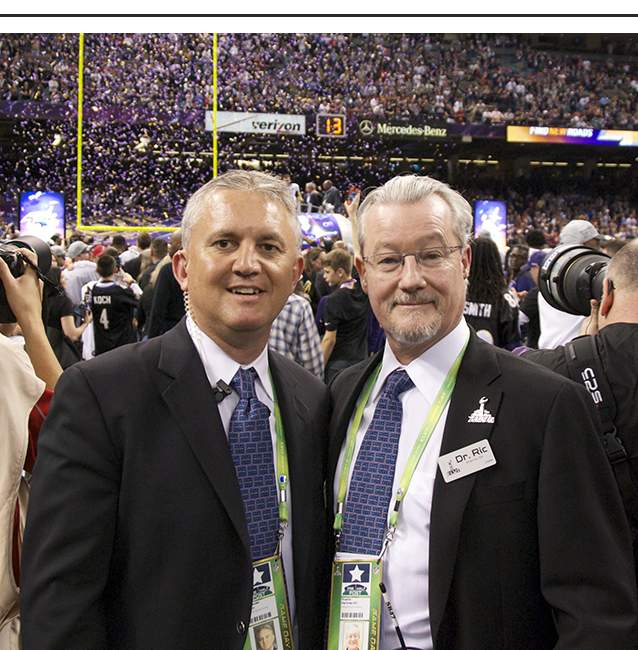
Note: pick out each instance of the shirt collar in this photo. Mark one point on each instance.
(429, 370)
(218, 365)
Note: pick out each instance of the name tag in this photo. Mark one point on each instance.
(466, 460)
(355, 605)
(270, 627)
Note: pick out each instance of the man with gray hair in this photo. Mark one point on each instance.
(180, 481)
(474, 512)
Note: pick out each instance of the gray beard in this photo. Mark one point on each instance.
(416, 334)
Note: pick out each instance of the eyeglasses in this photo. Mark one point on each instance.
(428, 258)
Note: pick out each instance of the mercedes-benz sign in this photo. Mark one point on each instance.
(366, 127)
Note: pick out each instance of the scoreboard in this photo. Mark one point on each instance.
(331, 125)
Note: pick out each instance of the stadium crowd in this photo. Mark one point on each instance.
(494, 79)
(144, 143)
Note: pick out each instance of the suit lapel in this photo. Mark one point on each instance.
(478, 370)
(190, 399)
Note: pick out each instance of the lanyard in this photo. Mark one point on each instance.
(434, 414)
(281, 469)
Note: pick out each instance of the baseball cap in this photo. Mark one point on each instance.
(76, 249)
(578, 232)
(57, 251)
(537, 258)
(97, 250)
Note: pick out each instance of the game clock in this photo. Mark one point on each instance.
(331, 125)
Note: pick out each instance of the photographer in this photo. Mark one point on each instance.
(613, 326)
(62, 331)
(28, 381)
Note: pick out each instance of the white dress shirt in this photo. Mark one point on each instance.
(406, 562)
(218, 365)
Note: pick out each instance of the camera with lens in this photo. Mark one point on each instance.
(10, 253)
(571, 276)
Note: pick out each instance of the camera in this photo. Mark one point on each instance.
(9, 252)
(571, 276)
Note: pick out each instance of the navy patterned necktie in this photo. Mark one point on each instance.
(370, 490)
(250, 445)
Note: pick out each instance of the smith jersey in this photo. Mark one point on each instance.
(496, 323)
(113, 308)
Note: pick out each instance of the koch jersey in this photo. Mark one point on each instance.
(112, 307)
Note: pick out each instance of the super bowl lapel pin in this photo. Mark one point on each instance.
(481, 414)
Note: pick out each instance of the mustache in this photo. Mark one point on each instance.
(419, 298)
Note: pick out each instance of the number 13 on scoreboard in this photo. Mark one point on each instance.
(331, 125)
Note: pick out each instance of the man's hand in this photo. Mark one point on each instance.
(24, 294)
(590, 324)
(353, 206)
(128, 278)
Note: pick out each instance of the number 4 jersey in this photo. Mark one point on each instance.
(113, 309)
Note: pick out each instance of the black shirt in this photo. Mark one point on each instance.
(66, 352)
(346, 311)
(314, 200)
(133, 266)
(529, 306)
(168, 303)
(496, 323)
(58, 306)
(113, 308)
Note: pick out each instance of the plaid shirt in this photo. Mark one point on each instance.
(294, 334)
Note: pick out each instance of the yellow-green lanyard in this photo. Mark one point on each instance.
(434, 414)
(282, 464)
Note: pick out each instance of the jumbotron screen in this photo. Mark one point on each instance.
(41, 214)
(490, 219)
(572, 135)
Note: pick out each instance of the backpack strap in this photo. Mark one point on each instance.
(585, 367)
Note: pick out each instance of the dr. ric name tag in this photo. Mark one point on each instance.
(466, 460)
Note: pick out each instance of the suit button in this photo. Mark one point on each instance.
(240, 627)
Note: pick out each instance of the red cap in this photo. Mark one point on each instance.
(97, 250)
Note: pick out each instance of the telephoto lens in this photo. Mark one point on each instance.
(9, 252)
(571, 276)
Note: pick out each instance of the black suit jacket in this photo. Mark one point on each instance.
(533, 552)
(136, 536)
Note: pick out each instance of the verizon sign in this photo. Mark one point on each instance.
(266, 123)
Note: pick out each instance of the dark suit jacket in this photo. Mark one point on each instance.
(533, 552)
(136, 535)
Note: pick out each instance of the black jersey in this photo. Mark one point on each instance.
(112, 307)
(496, 323)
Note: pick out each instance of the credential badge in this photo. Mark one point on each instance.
(481, 414)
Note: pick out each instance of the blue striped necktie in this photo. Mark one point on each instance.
(370, 489)
(250, 445)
